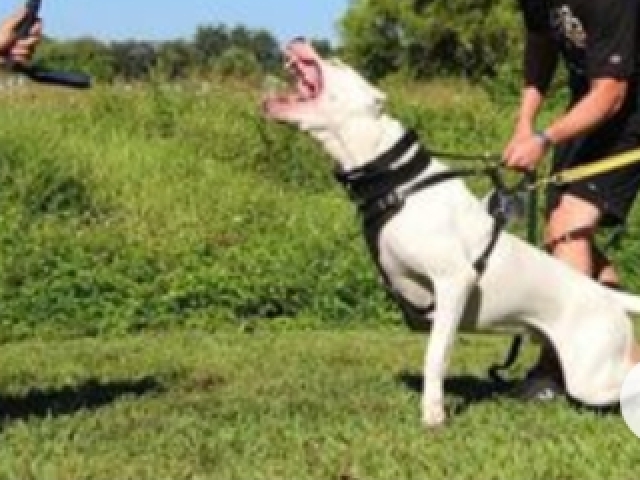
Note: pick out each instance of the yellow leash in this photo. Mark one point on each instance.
(589, 170)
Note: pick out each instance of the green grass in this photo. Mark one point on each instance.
(165, 205)
(295, 405)
(143, 230)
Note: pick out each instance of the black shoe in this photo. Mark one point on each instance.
(539, 386)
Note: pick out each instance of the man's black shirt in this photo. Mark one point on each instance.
(597, 38)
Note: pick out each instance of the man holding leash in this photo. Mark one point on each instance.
(13, 48)
(599, 43)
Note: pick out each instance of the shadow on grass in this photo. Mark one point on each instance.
(90, 395)
(470, 390)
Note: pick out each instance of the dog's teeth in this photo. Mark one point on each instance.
(290, 63)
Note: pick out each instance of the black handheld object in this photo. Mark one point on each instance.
(40, 74)
(53, 77)
(24, 27)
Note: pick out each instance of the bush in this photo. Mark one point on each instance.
(237, 62)
(427, 39)
(160, 207)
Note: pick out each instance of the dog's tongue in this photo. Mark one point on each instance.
(304, 60)
(309, 78)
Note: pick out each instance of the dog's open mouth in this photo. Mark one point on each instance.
(303, 65)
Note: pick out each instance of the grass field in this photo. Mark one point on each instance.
(294, 405)
(185, 295)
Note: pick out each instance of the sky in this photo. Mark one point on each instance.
(169, 19)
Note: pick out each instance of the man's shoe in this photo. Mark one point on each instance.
(539, 386)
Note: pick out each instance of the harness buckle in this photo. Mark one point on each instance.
(507, 205)
(392, 200)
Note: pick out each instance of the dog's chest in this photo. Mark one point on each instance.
(414, 295)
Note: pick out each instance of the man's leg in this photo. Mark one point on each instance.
(604, 271)
(570, 229)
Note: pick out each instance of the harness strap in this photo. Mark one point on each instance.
(480, 265)
(512, 357)
(380, 165)
(377, 189)
(394, 198)
(382, 208)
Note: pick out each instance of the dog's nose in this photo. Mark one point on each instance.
(298, 40)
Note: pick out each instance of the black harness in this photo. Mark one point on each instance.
(380, 188)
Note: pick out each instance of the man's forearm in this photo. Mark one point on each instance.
(601, 103)
(529, 106)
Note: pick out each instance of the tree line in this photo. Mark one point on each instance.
(214, 49)
(419, 39)
(426, 38)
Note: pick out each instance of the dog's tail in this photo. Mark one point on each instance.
(631, 303)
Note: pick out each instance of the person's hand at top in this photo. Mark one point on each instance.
(12, 48)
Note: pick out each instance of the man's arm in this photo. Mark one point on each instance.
(540, 61)
(603, 101)
(610, 62)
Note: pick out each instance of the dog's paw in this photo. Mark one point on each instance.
(433, 416)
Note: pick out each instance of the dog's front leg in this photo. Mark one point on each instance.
(452, 293)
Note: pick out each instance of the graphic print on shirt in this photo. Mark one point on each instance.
(570, 32)
(567, 25)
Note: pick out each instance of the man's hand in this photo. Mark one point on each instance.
(525, 150)
(12, 48)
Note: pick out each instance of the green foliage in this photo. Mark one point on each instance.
(176, 59)
(146, 208)
(210, 42)
(134, 60)
(236, 51)
(86, 54)
(130, 208)
(286, 405)
(471, 38)
(237, 62)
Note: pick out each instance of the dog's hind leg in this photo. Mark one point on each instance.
(452, 293)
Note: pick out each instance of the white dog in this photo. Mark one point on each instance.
(428, 247)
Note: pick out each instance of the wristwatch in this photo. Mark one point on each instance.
(544, 139)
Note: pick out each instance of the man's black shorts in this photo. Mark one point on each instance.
(613, 193)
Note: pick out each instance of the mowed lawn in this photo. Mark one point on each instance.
(298, 405)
